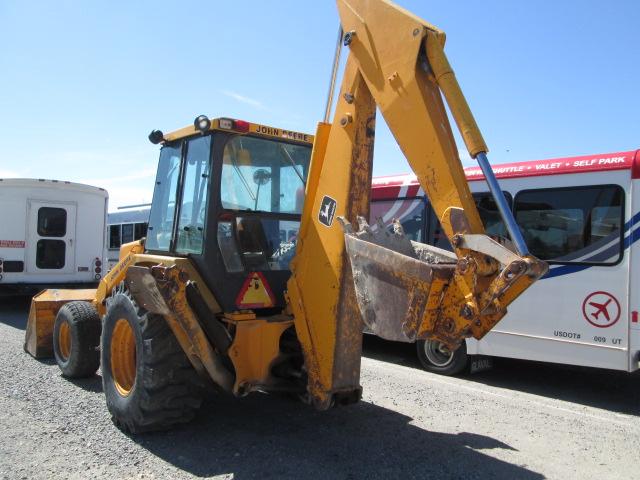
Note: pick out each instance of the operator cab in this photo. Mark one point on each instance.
(229, 195)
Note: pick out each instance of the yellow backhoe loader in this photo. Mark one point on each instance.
(253, 275)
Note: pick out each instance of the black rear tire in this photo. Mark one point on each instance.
(437, 359)
(76, 339)
(159, 388)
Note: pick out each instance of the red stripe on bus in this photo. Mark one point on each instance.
(555, 166)
(385, 193)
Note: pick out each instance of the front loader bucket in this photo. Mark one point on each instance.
(38, 339)
(396, 280)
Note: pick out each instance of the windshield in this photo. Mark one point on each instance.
(192, 205)
(264, 175)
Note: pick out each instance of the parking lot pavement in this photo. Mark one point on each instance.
(520, 420)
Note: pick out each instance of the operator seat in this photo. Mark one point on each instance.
(254, 246)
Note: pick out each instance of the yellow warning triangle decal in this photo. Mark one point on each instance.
(255, 293)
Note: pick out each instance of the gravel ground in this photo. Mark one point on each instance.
(520, 420)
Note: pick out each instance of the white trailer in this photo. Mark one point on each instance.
(52, 233)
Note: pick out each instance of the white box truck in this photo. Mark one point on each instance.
(52, 233)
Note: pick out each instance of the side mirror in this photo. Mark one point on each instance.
(261, 176)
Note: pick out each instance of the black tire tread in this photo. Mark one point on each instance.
(84, 323)
(169, 390)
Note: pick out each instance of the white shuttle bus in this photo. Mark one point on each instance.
(579, 214)
(51, 233)
(125, 225)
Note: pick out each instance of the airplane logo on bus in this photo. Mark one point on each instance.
(601, 309)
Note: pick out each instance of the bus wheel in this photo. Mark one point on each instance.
(148, 381)
(76, 337)
(437, 358)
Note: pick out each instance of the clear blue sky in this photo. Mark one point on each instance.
(83, 83)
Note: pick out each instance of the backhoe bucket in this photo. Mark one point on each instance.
(396, 280)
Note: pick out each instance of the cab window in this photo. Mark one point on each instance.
(263, 175)
(193, 208)
(164, 199)
(262, 189)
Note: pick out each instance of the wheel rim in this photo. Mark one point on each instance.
(437, 353)
(64, 340)
(123, 357)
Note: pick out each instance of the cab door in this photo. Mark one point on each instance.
(51, 235)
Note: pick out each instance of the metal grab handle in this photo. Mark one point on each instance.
(503, 207)
(334, 74)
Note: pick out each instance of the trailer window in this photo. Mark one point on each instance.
(114, 236)
(573, 225)
(52, 222)
(50, 254)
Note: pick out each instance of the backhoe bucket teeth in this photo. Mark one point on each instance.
(396, 280)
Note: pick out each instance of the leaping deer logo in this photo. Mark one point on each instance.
(327, 210)
(324, 212)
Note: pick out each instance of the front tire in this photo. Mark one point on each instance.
(436, 358)
(76, 337)
(148, 381)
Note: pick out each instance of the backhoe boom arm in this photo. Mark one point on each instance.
(401, 290)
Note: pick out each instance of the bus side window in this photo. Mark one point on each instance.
(409, 211)
(490, 215)
(114, 236)
(437, 237)
(573, 224)
(491, 219)
(127, 233)
(140, 230)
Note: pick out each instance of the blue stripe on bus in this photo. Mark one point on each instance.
(599, 257)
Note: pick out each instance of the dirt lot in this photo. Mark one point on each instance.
(520, 420)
